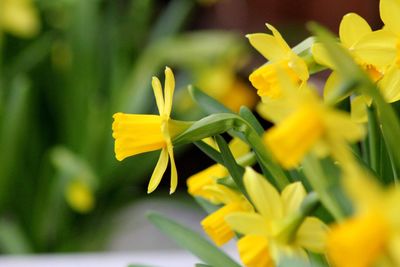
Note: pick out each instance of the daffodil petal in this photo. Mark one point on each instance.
(157, 89)
(248, 223)
(274, 110)
(238, 147)
(390, 85)
(169, 88)
(312, 235)
(331, 86)
(390, 10)
(267, 45)
(174, 173)
(352, 29)
(159, 171)
(341, 125)
(263, 195)
(359, 110)
(292, 197)
(278, 37)
(321, 55)
(377, 48)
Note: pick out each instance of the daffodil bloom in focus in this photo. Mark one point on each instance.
(275, 226)
(205, 184)
(277, 51)
(374, 51)
(371, 236)
(19, 17)
(138, 133)
(303, 124)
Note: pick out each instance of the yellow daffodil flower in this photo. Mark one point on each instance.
(205, 184)
(274, 225)
(221, 83)
(374, 51)
(19, 17)
(371, 237)
(305, 124)
(138, 133)
(277, 51)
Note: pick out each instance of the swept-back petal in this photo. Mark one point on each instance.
(248, 223)
(263, 195)
(312, 235)
(292, 197)
(174, 173)
(377, 48)
(274, 110)
(278, 37)
(238, 147)
(390, 10)
(390, 84)
(157, 89)
(352, 29)
(268, 46)
(339, 124)
(169, 88)
(159, 171)
(321, 56)
(359, 109)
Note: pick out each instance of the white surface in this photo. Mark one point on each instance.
(158, 259)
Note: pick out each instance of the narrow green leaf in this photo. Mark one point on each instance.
(12, 238)
(12, 132)
(172, 19)
(235, 170)
(246, 114)
(202, 265)
(191, 241)
(206, 102)
(205, 205)
(209, 151)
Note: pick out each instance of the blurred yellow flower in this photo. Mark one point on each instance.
(277, 51)
(79, 196)
(205, 184)
(254, 251)
(371, 237)
(221, 83)
(137, 133)
(19, 17)
(374, 51)
(277, 221)
(389, 11)
(305, 124)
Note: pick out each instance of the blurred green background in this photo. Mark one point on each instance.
(67, 65)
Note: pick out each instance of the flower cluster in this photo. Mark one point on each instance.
(328, 167)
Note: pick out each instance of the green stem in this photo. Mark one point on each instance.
(373, 139)
(319, 182)
(219, 123)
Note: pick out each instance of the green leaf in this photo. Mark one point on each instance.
(235, 170)
(246, 114)
(202, 265)
(209, 151)
(191, 241)
(206, 102)
(207, 206)
(13, 127)
(12, 238)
